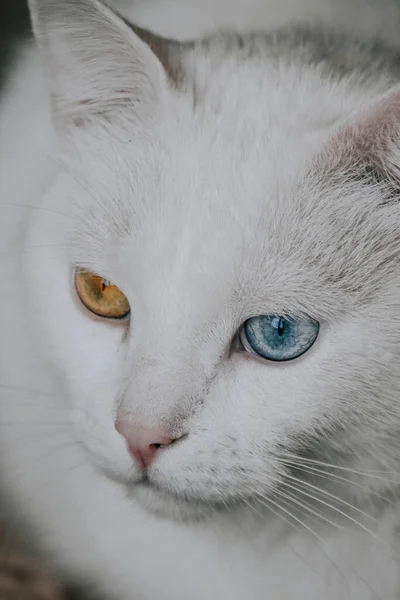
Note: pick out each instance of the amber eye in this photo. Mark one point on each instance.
(100, 296)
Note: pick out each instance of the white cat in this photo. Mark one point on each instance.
(200, 309)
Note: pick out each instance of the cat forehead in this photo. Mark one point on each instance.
(226, 184)
(201, 167)
(266, 225)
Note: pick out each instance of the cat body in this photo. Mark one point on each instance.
(211, 181)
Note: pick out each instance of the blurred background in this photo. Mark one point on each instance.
(14, 25)
(13, 19)
(13, 16)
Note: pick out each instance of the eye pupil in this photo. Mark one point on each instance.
(281, 327)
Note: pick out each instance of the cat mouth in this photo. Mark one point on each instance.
(167, 503)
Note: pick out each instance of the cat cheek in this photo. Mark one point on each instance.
(101, 442)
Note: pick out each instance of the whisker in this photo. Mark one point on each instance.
(51, 481)
(301, 460)
(330, 495)
(15, 409)
(261, 498)
(41, 246)
(37, 458)
(28, 404)
(341, 512)
(289, 501)
(74, 178)
(32, 440)
(42, 208)
(345, 480)
(274, 511)
(369, 586)
(329, 559)
(38, 426)
(257, 512)
(237, 523)
(306, 507)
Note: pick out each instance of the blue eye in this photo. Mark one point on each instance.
(278, 338)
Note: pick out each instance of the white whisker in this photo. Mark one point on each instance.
(261, 499)
(341, 512)
(331, 561)
(321, 474)
(330, 495)
(293, 458)
(307, 508)
(42, 208)
(43, 246)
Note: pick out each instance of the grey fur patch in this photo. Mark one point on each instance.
(338, 54)
(167, 52)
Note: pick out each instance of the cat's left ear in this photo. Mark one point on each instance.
(95, 63)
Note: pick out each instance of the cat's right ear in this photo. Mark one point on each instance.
(95, 63)
(367, 145)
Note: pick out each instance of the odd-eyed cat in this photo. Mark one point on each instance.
(200, 330)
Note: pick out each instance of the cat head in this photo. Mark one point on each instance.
(221, 297)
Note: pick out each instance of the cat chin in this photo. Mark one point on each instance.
(164, 504)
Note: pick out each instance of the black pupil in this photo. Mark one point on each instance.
(281, 327)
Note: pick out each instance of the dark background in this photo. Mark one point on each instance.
(13, 17)
(14, 26)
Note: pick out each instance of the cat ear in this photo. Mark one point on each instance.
(95, 62)
(368, 145)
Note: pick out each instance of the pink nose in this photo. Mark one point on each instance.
(143, 443)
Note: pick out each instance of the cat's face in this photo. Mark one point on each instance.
(209, 204)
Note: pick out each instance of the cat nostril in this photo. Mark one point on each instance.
(158, 446)
(143, 443)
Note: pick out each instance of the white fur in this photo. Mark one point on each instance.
(203, 216)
